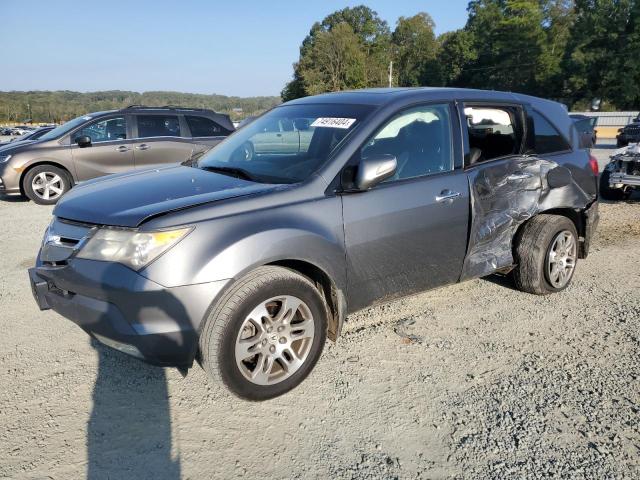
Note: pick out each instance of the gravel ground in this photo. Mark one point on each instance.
(470, 381)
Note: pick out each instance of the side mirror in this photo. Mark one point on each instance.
(83, 141)
(375, 169)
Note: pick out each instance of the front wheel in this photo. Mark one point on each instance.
(45, 184)
(266, 334)
(546, 253)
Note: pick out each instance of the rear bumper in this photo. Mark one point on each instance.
(126, 311)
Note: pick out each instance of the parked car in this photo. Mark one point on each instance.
(628, 134)
(30, 136)
(586, 128)
(621, 177)
(247, 265)
(21, 130)
(107, 142)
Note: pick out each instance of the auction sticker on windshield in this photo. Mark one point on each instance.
(332, 122)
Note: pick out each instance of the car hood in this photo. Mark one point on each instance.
(15, 146)
(128, 199)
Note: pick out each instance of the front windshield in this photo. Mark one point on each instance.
(65, 128)
(287, 144)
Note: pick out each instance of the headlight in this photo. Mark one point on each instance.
(131, 248)
(5, 158)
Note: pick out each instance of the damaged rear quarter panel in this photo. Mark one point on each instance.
(505, 194)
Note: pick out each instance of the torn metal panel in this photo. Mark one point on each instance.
(504, 195)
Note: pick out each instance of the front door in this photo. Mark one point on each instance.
(110, 151)
(408, 233)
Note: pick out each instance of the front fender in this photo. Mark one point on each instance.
(228, 247)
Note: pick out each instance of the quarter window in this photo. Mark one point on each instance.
(104, 131)
(419, 138)
(158, 126)
(547, 137)
(205, 127)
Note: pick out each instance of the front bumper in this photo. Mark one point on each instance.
(619, 180)
(125, 310)
(9, 180)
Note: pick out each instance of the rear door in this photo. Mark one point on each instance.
(204, 132)
(409, 233)
(110, 151)
(159, 140)
(505, 183)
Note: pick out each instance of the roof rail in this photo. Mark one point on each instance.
(171, 107)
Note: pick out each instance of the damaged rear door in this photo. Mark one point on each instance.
(515, 168)
(505, 183)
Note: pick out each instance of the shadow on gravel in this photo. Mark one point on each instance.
(502, 280)
(13, 198)
(129, 432)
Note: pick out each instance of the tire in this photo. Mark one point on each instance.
(49, 193)
(228, 331)
(534, 245)
(607, 192)
(621, 143)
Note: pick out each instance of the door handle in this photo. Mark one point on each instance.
(447, 195)
(519, 176)
(122, 148)
(143, 146)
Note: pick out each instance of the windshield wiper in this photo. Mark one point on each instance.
(232, 172)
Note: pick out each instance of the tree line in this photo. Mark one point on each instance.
(573, 51)
(59, 106)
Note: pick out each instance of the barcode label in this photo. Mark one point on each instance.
(332, 122)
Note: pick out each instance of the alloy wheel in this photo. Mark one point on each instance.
(274, 340)
(47, 185)
(561, 259)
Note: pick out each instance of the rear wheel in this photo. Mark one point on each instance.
(266, 334)
(45, 184)
(546, 254)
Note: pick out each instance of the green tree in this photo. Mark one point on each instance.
(334, 62)
(600, 60)
(372, 38)
(456, 53)
(415, 49)
(509, 38)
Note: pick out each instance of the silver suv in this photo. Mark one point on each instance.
(248, 264)
(107, 142)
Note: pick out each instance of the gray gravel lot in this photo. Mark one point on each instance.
(471, 381)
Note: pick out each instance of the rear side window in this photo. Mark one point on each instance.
(158, 126)
(547, 137)
(205, 127)
(492, 132)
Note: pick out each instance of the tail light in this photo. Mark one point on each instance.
(593, 163)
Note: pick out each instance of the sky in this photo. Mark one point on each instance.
(238, 48)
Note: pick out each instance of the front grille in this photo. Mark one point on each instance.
(632, 130)
(61, 241)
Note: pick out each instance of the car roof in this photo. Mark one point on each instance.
(384, 96)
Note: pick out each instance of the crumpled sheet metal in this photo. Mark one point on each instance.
(503, 197)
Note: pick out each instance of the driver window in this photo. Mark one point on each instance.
(419, 138)
(104, 131)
